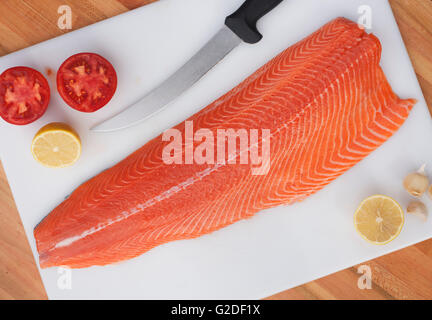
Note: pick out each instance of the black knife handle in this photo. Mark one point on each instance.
(243, 21)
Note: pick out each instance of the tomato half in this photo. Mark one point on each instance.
(86, 81)
(24, 95)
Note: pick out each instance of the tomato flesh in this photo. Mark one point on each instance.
(86, 81)
(24, 95)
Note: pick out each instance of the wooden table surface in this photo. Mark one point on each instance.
(406, 274)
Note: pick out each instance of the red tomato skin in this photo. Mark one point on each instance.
(28, 72)
(110, 90)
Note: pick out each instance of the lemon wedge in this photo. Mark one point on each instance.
(56, 145)
(379, 219)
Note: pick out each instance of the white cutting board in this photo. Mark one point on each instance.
(276, 250)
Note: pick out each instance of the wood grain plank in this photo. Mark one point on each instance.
(19, 276)
(414, 19)
(406, 274)
(26, 22)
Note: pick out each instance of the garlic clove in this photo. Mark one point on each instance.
(416, 183)
(418, 209)
(430, 192)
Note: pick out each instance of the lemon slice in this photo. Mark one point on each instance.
(56, 145)
(379, 219)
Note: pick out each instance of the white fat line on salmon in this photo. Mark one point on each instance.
(204, 152)
(138, 208)
(183, 185)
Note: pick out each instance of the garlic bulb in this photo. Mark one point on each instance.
(418, 209)
(416, 183)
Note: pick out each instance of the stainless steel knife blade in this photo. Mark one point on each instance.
(214, 51)
(239, 26)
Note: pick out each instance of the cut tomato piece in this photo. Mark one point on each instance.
(86, 81)
(24, 95)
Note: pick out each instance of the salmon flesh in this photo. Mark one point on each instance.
(326, 105)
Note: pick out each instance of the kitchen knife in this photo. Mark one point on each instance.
(240, 26)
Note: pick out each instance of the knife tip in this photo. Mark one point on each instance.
(99, 129)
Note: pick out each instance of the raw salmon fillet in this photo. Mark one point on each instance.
(327, 104)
